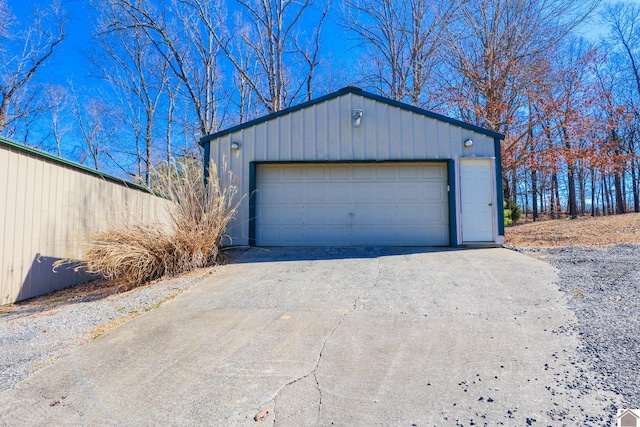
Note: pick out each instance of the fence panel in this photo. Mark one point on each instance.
(48, 208)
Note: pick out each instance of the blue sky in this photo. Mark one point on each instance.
(69, 62)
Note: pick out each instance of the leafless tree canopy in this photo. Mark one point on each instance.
(402, 39)
(24, 50)
(274, 51)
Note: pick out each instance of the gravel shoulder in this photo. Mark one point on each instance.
(603, 286)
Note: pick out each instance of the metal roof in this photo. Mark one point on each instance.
(356, 91)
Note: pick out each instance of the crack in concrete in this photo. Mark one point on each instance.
(315, 377)
(375, 283)
(321, 352)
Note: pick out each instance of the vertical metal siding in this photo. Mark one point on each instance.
(324, 132)
(48, 211)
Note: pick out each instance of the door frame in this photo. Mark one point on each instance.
(452, 186)
(494, 197)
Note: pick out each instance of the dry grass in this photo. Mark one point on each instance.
(199, 216)
(584, 231)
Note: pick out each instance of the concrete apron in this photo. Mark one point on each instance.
(359, 337)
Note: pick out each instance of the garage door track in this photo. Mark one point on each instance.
(349, 337)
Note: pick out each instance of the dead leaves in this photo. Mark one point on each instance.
(584, 231)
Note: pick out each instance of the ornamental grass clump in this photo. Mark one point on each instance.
(198, 218)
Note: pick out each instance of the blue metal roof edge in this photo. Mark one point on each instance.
(357, 91)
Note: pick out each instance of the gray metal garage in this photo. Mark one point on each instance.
(356, 169)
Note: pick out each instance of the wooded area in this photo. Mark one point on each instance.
(167, 72)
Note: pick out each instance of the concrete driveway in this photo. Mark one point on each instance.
(353, 337)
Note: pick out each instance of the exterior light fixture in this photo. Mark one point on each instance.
(357, 117)
(235, 146)
(468, 142)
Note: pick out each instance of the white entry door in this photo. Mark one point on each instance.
(477, 200)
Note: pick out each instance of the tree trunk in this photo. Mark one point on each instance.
(582, 190)
(620, 208)
(514, 188)
(593, 192)
(534, 194)
(634, 183)
(606, 194)
(4, 110)
(555, 199)
(506, 193)
(604, 198)
(573, 207)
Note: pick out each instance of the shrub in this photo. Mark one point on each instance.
(198, 219)
(507, 216)
(512, 213)
(516, 212)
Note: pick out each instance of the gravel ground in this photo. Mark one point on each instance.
(603, 285)
(37, 332)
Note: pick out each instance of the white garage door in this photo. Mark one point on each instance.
(355, 204)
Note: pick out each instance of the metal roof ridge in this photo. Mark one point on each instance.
(343, 91)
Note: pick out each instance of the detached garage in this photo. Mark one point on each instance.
(356, 169)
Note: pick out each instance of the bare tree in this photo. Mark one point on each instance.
(491, 47)
(623, 20)
(96, 127)
(492, 51)
(272, 53)
(7, 19)
(56, 99)
(402, 40)
(182, 32)
(24, 49)
(128, 61)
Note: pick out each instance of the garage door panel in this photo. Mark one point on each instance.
(386, 192)
(379, 216)
(412, 233)
(271, 214)
(394, 204)
(338, 172)
(327, 214)
(292, 173)
(278, 215)
(285, 235)
(413, 191)
(270, 174)
(359, 193)
(363, 173)
(435, 233)
(438, 172)
(292, 191)
(318, 236)
(321, 192)
(433, 191)
(413, 214)
(316, 174)
(410, 172)
(386, 172)
(436, 214)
